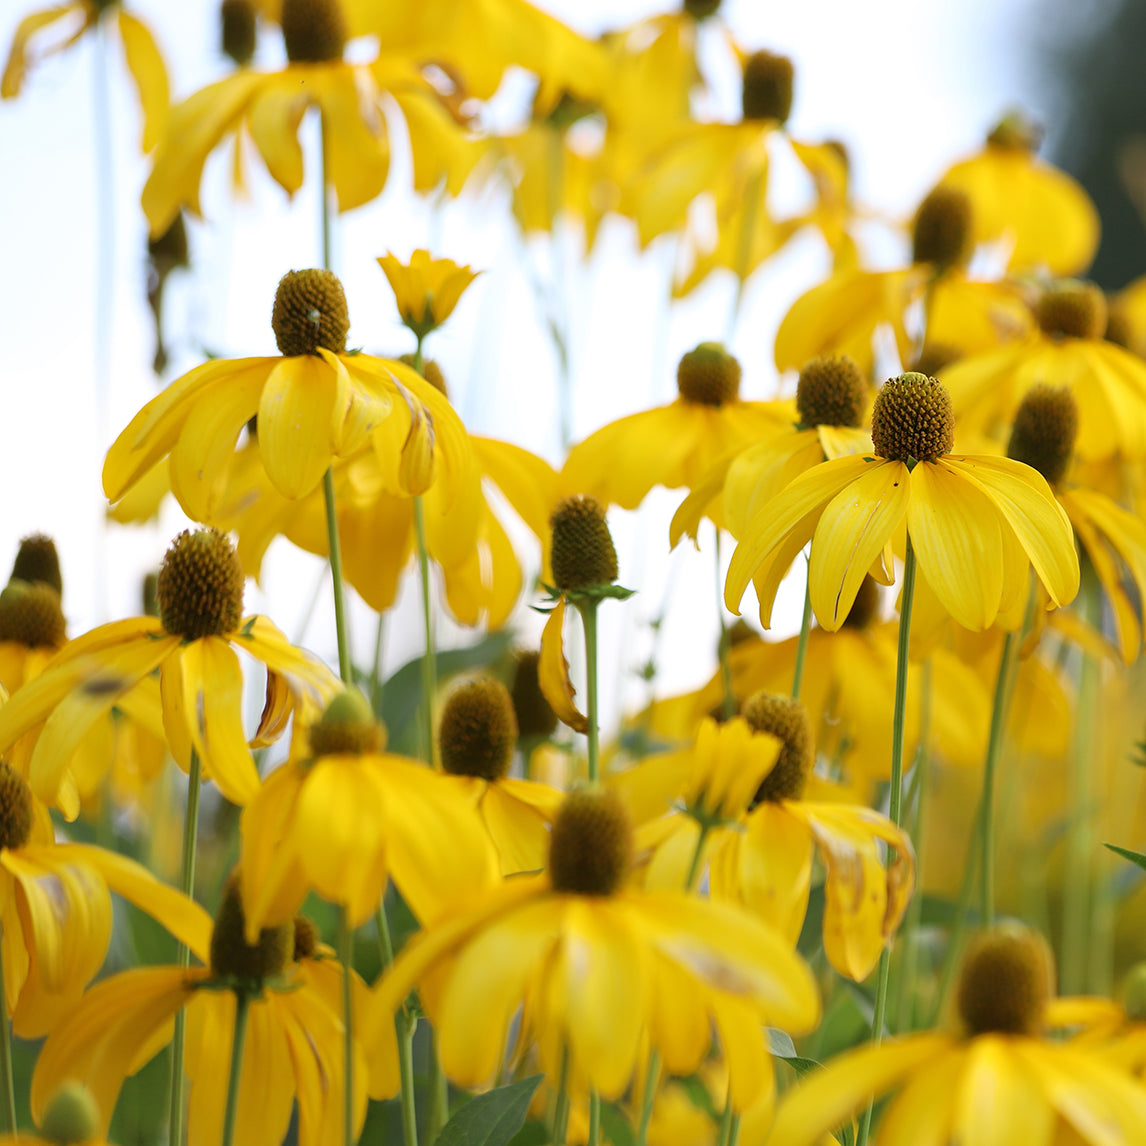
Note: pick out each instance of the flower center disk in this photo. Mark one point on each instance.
(942, 232)
(347, 728)
(787, 720)
(1044, 430)
(37, 560)
(478, 730)
(591, 846)
(912, 419)
(15, 808)
(314, 31)
(1072, 310)
(582, 552)
(233, 957)
(708, 376)
(831, 392)
(310, 312)
(768, 84)
(200, 586)
(30, 615)
(1005, 982)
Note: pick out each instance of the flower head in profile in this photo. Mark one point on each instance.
(976, 524)
(600, 968)
(426, 289)
(193, 643)
(994, 1077)
(144, 60)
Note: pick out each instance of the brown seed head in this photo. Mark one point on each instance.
(768, 83)
(200, 586)
(1072, 310)
(831, 392)
(347, 727)
(787, 720)
(314, 31)
(912, 419)
(701, 9)
(149, 594)
(535, 717)
(15, 807)
(233, 957)
(309, 312)
(305, 938)
(1119, 328)
(942, 230)
(71, 1116)
(582, 553)
(37, 560)
(708, 376)
(1005, 982)
(1016, 132)
(865, 608)
(591, 847)
(1044, 430)
(478, 730)
(30, 615)
(239, 30)
(431, 371)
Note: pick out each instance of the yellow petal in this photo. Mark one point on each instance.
(553, 673)
(998, 1101)
(312, 684)
(276, 110)
(921, 1114)
(14, 69)
(354, 135)
(146, 66)
(750, 1076)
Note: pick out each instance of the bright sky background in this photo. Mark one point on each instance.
(909, 86)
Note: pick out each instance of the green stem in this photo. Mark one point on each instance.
(242, 1003)
(724, 645)
(419, 359)
(183, 953)
(561, 1109)
(345, 669)
(729, 1126)
(439, 1113)
(802, 642)
(650, 1093)
(376, 667)
(895, 799)
(324, 193)
(594, 1118)
(588, 609)
(405, 1037)
(695, 866)
(346, 957)
(999, 709)
(7, 1085)
(429, 668)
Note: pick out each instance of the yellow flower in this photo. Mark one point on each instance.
(426, 289)
(1067, 349)
(314, 403)
(975, 523)
(294, 1042)
(600, 969)
(1041, 213)
(55, 923)
(998, 1080)
(193, 644)
(143, 58)
(342, 817)
(674, 445)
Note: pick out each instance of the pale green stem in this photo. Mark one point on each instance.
(895, 796)
(561, 1109)
(405, 1037)
(429, 668)
(376, 667)
(724, 645)
(802, 642)
(1080, 842)
(7, 1085)
(999, 709)
(439, 1113)
(647, 1097)
(695, 866)
(242, 1002)
(324, 194)
(346, 957)
(588, 609)
(345, 668)
(729, 1126)
(183, 954)
(594, 1118)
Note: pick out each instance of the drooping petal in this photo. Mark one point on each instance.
(750, 1076)
(354, 135)
(31, 25)
(312, 684)
(275, 113)
(998, 1101)
(553, 673)
(145, 63)
(921, 1114)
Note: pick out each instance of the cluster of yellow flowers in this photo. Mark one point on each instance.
(614, 940)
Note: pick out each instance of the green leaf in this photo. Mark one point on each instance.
(493, 1118)
(780, 1044)
(1134, 857)
(615, 1126)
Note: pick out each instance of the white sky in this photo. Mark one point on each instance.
(909, 85)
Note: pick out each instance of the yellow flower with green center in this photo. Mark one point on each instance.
(976, 524)
(294, 1040)
(315, 403)
(996, 1078)
(426, 289)
(144, 61)
(604, 971)
(193, 644)
(343, 817)
(55, 923)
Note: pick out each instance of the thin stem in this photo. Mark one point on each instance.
(561, 1109)
(999, 709)
(346, 957)
(183, 953)
(729, 1127)
(376, 667)
(695, 866)
(324, 195)
(650, 1092)
(312, 604)
(242, 1002)
(588, 610)
(802, 642)
(594, 1118)
(345, 668)
(7, 1085)
(429, 668)
(895, 799)
(724, 645)
(405, 1037)
(439, 1113)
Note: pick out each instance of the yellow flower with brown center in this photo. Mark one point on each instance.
(144, 61)
(976, 524)
(294, 1050)
(426, 289)
(315, 403)
(343, 817)
(1040, 1090)
(193, 644)
(604, 971)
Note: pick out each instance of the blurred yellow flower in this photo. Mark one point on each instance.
(426, 289)
(144, 60)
